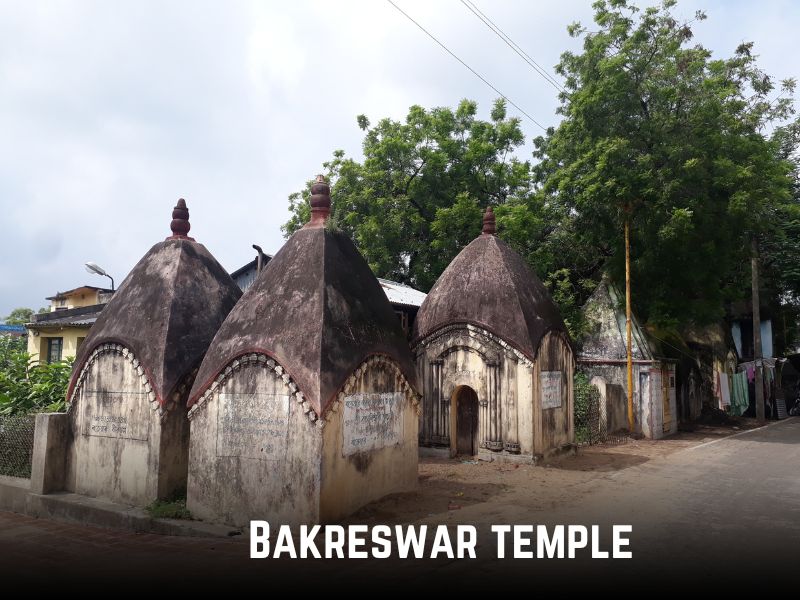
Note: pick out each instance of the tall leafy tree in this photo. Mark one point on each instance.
(19, 316)
(417, 197)
(657, 129)
(778, 246)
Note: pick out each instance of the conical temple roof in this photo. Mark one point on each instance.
(490, 286)
(317, 309)
(167, 309)
(606, 337)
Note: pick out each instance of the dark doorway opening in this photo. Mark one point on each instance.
(466, 421)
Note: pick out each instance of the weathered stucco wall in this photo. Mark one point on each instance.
(253, 450)
(259, 451)
(605, 337)
(654, 395)
(613, 404)
(553, 373)
(123, 446)
(510, 418)
(370, 440)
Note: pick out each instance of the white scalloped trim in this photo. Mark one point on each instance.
(146, 384)
(477, 333)
(252, 359)
(374, 360)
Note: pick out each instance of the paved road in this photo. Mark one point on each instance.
(727, 511)
(724, 514)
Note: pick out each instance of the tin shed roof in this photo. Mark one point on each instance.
(398, 293)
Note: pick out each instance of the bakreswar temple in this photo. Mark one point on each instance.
(129, 437)
(493, 358)
(305, 407)
(302, 400)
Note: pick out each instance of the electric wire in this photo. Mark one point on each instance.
(473, 71)
(512, 44)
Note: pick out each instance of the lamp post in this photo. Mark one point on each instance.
(92, 267)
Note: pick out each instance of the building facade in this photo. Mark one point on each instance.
(59, 333)
(603, 357)
(494, 358)
(305, 406)
(128, 439)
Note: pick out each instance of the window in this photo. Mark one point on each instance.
(54, 348)
(78, 344)
(403, 320)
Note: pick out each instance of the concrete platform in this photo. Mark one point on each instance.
(15, 496)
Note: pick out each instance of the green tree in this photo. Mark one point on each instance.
(19, 316)
(778, 247)
(655, 127)
(417, 197)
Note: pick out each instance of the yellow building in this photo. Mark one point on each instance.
(56, 335)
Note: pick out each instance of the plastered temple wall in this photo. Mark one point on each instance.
(259, 451)
(123, 446)
(553, 378)
(654, 395)
(613, 404)
(511, 419)
(252, 449)
(370, 440)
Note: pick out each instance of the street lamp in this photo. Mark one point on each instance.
(92, 267)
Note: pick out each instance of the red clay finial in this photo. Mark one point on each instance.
(180, 222)
(489, 227)
(320, 202)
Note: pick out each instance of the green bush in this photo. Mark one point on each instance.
(585, 395)
(173, 508)
(28, 386)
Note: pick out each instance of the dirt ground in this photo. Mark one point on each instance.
(693, 530)
(482, 492)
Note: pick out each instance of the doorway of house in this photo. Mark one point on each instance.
(466, 421)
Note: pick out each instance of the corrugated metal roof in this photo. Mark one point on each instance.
(398, 293)
(68, 321)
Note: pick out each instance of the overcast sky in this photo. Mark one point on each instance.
(111, 111)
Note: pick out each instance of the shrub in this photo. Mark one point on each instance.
(587, 396)
(30, 386)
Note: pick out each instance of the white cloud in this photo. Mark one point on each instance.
(110, 111)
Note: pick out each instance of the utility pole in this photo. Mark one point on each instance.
(757, 352)
(628, 316)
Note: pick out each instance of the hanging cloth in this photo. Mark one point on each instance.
(724, 390)
(740, 398)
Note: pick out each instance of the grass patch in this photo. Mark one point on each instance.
(169, 509)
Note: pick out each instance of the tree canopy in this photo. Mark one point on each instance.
(656, 127)
(699, 152)
(417, 197)
(19, 316)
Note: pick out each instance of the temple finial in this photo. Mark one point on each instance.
(489, 226)
(180, 222)
(320, 202)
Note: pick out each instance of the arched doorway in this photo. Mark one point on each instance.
(466, 420)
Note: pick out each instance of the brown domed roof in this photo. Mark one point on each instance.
(317, 309)
(167, 309)
(490, 286)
